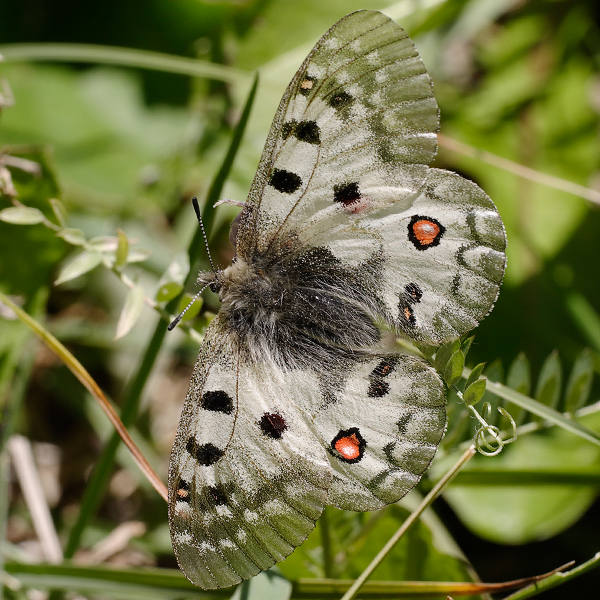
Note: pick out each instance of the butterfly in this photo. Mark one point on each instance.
(347, 238)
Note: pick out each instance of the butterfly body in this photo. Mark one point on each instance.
(347, 239)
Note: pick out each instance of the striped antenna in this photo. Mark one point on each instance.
(176, 320)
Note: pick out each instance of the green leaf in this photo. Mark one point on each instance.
(454, 368)
(475, 374)
(22, 215)
(76, 237)
(168, 291)
(122, 249)
(466, 345)
(267, 585)
(550, 381)
(59, 210)
(443, 354)
(82, 263)
(474, 392)
(580, 382)
(519, 375)
(132, 309)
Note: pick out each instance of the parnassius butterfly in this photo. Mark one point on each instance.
(296, 402)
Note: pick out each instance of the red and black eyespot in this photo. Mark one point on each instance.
(205, 454)
(348, 445)
(217, 401)
(273, 425)
(284, 181)
(425, 232)
(183, 491)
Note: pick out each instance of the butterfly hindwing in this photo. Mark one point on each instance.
(435, 260)
(381, 428)
(247, 478)
(360, 110)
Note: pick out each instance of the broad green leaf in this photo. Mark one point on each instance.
(267, 585)
(82, 263)
(550, 381)
(475, 374)
(22, 215)
(132, 309)
(520, 510)
(474, 393)
(72, 236)
(580, 382)
(168, 291)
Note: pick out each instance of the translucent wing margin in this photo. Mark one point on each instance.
(247, 478)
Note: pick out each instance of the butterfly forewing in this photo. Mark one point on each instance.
(361, 109)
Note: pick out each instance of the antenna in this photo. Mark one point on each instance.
(178, 318)
(175, 321)
(199, 217)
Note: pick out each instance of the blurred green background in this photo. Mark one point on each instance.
(126, 148)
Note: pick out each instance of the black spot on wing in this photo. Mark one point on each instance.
(273, 425)
(287, 128)
(385, 367)
(346, 193)
(308, 131)
(217, 401)
(285, 181)
(402, 424)
(205, 454)
(378, 389)
(215, 495)
(305, 131)
(413, 293)
(340, 100)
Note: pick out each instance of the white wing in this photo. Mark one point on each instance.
(360, 109)
(247, 477)
(381, 427)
